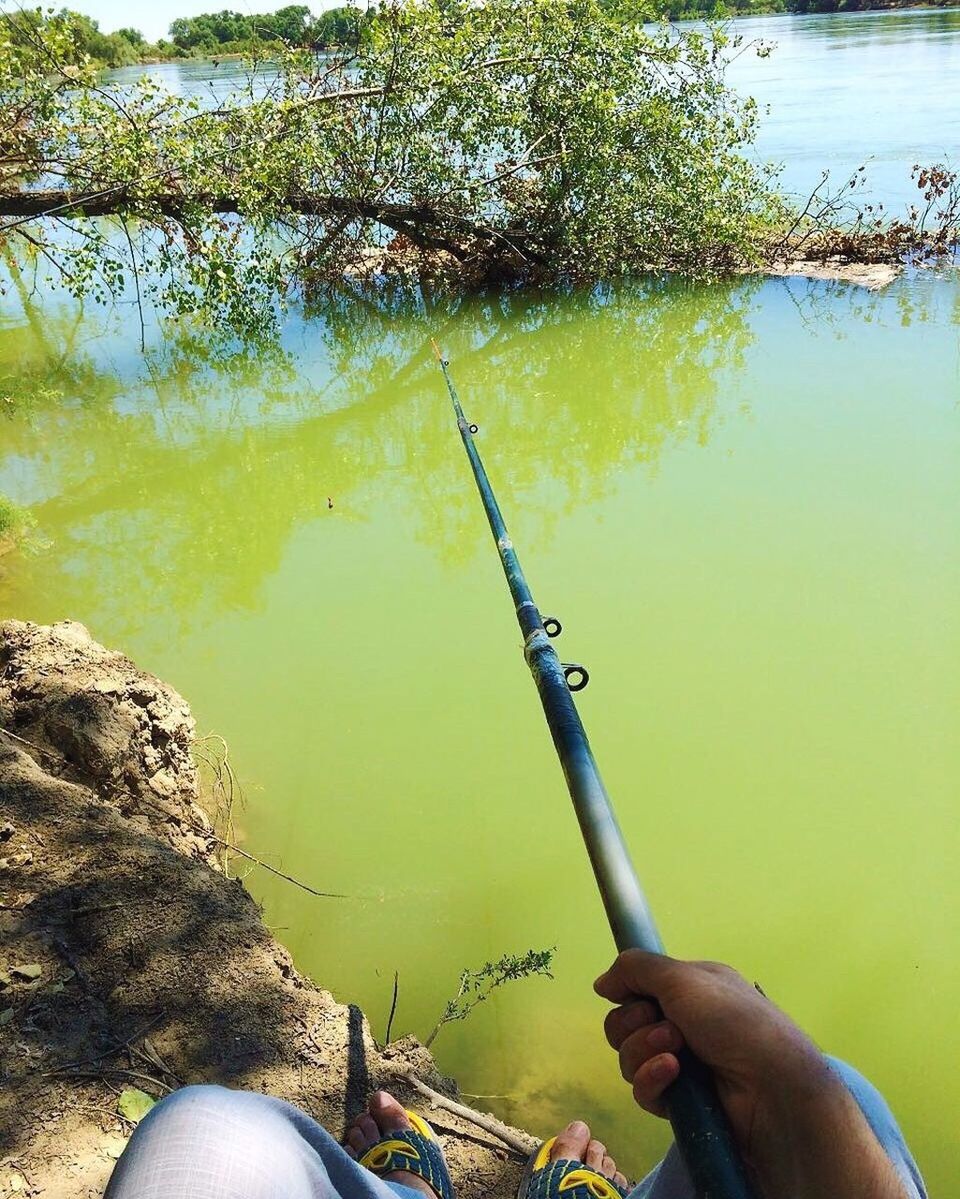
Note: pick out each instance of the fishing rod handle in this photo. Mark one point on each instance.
(701, 1130)
(703, 1134)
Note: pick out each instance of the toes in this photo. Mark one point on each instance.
(364, 1132)
(388, 1114)
(596, 1152)
(357, 1141)
(608, 1167)
(620, 1180)
(351, 1152)
(368, 1127)
(571, 1143)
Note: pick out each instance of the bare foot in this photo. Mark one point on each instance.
(384, 1115)
(574, 1143)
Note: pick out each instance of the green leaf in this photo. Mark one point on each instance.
(133, 1104)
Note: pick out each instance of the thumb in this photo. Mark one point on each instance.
(636, 972)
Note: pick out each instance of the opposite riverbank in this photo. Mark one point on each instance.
(228, 36)
(130, 960)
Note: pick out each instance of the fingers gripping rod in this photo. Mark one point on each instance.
(700, 1127)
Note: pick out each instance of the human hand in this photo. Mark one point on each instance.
(755, 1051)
(799, 1129)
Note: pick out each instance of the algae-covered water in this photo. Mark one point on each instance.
(741, 499)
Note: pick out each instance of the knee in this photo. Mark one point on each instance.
(212, 1119)
(195, 1142)
(205, 1101)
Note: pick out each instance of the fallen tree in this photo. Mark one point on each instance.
(502, 142)
(515, 138)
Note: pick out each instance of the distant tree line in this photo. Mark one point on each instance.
(83, 39)
(208, 34)
(678, 10)
(294, 25)
(227, 32)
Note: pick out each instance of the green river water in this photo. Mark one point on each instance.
(740, 498)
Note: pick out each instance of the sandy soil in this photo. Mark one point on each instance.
(128, 959)
(874, 276)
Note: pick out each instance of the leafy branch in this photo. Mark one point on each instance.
(476, 986)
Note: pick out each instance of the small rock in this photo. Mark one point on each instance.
(29, 972)
(6, 831)
(162, 784)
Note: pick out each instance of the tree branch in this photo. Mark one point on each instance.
(510, 1136)
(426, 225)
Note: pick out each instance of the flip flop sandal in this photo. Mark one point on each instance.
(415, 1150)
(546, 1179)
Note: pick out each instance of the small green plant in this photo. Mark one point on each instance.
(133, 1104)
(478, 985)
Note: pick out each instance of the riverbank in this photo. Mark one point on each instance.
(130, 960)
(798, 8)
(413, 263)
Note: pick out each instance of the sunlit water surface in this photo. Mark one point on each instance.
(740, 499)
(845, 90)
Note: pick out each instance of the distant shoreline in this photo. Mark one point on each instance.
(773, 10)
(777, 8)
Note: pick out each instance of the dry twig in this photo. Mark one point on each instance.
(510, 1136)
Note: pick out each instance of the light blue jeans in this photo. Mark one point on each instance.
(207, 1142)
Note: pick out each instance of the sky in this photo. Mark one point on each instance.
(153, 17)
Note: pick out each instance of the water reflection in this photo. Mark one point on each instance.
(201, 468)
(201, 476)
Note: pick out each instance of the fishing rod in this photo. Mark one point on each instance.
(700, 1128)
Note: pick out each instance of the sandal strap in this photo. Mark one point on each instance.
(414, 1150)
(565, 1179)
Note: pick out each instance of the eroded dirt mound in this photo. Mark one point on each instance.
(128, 959)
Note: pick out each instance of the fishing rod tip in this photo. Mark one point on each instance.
(436, 349)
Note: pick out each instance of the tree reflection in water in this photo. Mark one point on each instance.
(176, 479)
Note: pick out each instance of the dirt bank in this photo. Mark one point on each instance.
(403, 259)
(129, 960)
(874, 276)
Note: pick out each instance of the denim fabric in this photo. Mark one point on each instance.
(207, 1142)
